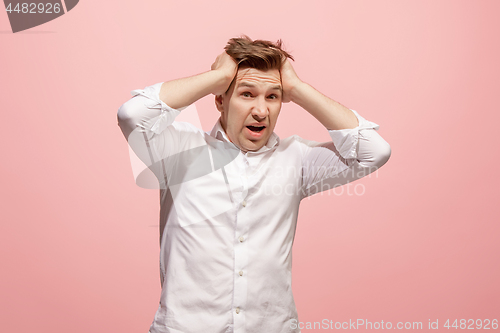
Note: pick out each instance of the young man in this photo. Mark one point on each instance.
(230, 197)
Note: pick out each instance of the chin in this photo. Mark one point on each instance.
(253, 147)
(248, 145)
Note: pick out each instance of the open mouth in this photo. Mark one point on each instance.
(256, 128)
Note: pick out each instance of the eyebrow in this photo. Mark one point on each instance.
(250, 85)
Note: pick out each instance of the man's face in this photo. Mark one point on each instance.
(250, 107)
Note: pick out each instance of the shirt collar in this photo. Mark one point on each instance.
(219, 133)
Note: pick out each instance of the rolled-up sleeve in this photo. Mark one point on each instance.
(146, 111)
(149, 127)
(362, 143)
(352, 154)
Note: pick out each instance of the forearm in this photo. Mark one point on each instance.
(333, 115)
(183, 92)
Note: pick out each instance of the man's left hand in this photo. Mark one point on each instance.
(289, 80)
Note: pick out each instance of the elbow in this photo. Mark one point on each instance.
(125, 119)
(377, 160)
(383, 154)
(122, 115)
(374, 151)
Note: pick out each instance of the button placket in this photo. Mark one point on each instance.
(240, 291)
(244, 181)
(240, 265)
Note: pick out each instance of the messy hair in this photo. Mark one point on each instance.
(259, 54)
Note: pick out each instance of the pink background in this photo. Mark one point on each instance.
(79, 240)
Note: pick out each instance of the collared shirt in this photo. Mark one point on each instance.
(228, 218)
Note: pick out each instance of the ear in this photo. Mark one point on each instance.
(218, 102)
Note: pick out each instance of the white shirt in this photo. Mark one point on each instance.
(228, 219)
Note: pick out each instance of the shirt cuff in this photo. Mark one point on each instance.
(346, 140)
(167, 115)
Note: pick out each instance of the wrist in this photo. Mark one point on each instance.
(296, 91)
(222, 80)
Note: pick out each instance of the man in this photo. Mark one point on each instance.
(230, 197)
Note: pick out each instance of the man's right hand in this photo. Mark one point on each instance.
(227, 67)
(183, 92)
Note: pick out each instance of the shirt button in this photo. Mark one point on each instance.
(244, 203)
(241, 273)
(237, 310)
(241, 239)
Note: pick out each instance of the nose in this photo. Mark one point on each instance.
(260, 109)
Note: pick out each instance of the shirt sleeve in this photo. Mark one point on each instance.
(149, 126)
(145, 110)
(352, 154)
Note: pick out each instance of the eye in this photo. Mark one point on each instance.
(273, 96)
(246, 94)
